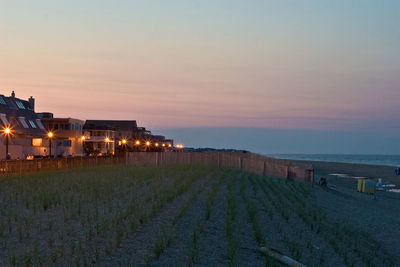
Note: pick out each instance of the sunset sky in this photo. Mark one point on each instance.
(302, 65)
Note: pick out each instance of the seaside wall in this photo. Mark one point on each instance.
(234, 160)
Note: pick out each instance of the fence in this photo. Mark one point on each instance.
(234, 160)
(36, 165)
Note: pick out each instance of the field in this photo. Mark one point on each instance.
(181, 216)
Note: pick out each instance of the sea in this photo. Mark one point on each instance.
(387, 160)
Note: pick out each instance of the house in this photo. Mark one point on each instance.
(99, 140)
(26, 137)
(113, 136)
(68, 134)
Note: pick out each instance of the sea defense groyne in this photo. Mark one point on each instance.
(245, 161)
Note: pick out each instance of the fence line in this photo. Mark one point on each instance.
(37, 165)
(234, 160)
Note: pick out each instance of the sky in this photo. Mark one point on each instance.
(319, 67)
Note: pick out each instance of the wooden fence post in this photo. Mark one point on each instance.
(265, 169)
(156, 154)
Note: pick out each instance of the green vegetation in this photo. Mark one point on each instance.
(83, 216)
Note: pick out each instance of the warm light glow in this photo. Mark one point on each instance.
(156, 144)
(169, 145)
(179, 146)
(163, 145)
(147, 143)
(7, 130)
(124, 141)
(83, 138)
(107, 139)
(36, 141)
(137, 142)
(50, 134)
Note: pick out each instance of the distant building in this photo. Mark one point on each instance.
(123, 135)
(29, 133)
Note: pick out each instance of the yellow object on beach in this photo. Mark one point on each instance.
(366, 186)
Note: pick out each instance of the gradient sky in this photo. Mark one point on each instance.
(315, 65)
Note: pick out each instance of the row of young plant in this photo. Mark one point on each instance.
(294, 234)
(168, 232)
(352, 244)
(253, 212)
(104, 202)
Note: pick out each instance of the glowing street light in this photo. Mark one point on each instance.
(147, 143)
(50, 135)
(124, 141)
(137, 142)
(163, 145)
(7, 132)
(83, 138)
(169, 145)
(156, 144)
(107, 141)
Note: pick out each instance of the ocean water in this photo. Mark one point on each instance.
(387, 160)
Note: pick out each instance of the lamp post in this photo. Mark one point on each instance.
(83, 138)
(124, 141)
(148, 145)
(7, 132)
(107, 141)
(50, 135)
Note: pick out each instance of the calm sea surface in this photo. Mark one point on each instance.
(389, 160)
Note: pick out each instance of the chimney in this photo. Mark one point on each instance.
(32, 103)
(13, 94)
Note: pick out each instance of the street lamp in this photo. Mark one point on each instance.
(107, 141)
(7, 132)
(137, 142)
(124, 141)
(50, 135)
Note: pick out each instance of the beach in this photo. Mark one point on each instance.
(326, 169)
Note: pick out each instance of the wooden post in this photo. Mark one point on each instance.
(156, 153)
(265, 169)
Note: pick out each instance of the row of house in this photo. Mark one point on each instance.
(28, 134)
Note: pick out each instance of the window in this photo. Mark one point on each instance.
(2, 101)
(20, 105)
(23, 122)
(32, 124)
(36, 141)
(40, 124)
(3, 118)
